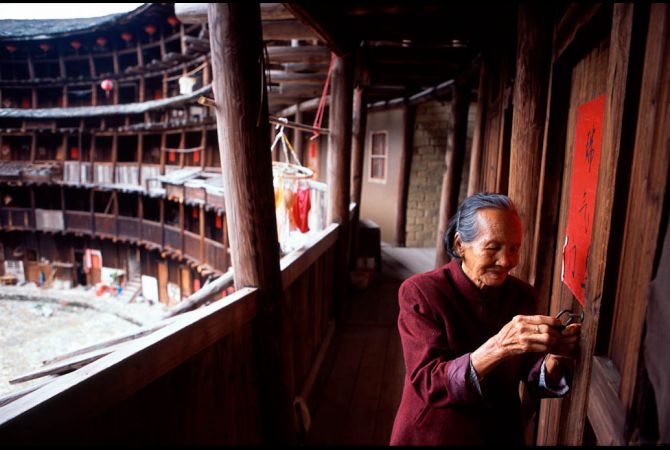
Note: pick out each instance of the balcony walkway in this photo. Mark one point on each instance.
(359, 386)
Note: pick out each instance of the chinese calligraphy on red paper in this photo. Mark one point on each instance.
(583, 186)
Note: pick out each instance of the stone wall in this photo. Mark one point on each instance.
(431, 128)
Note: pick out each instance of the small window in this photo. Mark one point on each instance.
(378, 153)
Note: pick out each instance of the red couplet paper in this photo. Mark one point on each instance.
(583, 186)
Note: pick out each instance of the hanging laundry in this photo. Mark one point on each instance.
(301, 207)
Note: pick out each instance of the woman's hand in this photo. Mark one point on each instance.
(523, 334)
(562, 353)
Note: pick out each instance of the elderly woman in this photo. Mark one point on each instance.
(469, 335)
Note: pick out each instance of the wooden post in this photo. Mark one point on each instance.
(478, 134)
(115, 154)
(454, 157)
(529, 110)
(339, 169)
(162, 154)
(242, 125)
(358, 131)
(405, 167)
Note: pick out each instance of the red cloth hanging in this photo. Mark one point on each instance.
(171, 156)
(301, 207)
(196, 157)
(74, 153)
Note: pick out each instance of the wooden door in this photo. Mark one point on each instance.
(604, 64)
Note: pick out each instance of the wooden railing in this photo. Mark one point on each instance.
(194, 381)
(79, 221)
(213, 253)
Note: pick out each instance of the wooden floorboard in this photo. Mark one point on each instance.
(361, 379)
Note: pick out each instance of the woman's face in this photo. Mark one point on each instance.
(495, 251)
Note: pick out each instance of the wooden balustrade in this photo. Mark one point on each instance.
(201, 363)
(172, 237)
(192, 245)
(152, 232)
(105, 225)
(79, 221)
(129, 227)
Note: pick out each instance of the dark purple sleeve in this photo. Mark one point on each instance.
(438, 375)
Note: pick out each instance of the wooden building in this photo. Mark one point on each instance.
(570, 118)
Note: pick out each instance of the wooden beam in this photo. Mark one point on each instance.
(306, 106)
(528, 116)
(304, 54)
(243, 134)
(455, 156)
(328, 30)
(286, 30)
(284, 77)
(197, 12)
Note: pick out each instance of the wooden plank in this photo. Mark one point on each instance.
(360, 423)
(605, 411)
(528, 117)
(647, 191)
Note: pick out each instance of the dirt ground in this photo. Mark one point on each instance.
(38, 324)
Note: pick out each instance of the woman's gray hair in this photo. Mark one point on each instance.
(464, 221)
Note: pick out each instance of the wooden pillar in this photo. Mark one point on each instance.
(478, 134)
(528, 115)
(242, 125)
(454, 157)
(405, 167)
(115, 154)
(339, 169)
(358, 131)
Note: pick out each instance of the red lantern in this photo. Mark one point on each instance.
(218, 221)
(172, 21)
(101, 41)
(25, 103)
(127, 37)
(150, 29)
(10, 48)
(45, 47)
(75, 45)
(196, 157)
(195, 213)
(171, 156)
(74, 153)
(107, 85)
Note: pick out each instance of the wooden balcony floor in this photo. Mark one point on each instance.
(360, 382)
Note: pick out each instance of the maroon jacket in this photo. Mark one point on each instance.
(443, 317)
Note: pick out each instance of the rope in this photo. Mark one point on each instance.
(322, 103)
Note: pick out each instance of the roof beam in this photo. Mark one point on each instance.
(324, 27)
